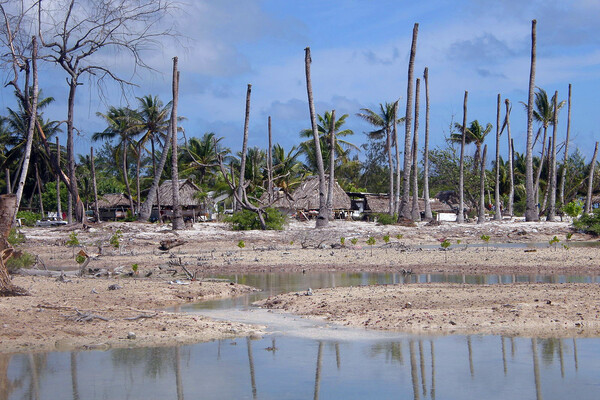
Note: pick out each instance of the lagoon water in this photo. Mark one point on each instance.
(303, 358)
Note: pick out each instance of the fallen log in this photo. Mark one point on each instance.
(170, 243)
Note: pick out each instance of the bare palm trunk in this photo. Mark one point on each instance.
(8, 186)
(415, 213)
(126, 176)
(511, 190)
(397, 148)
(404, 211)
(177, 218)
(32, 113)
(498, 213)
(428, 213)
(39, 186)
(588, 199)
(536, 185)
(552, 206)
(481, 217)
(548, 168)
(137, 178)
(241, 188)
(331, 164)
(388, 148)
(8, 206)
(58, 205)
(323, 217)
(270, 165)
(76, 204)
(563, 174)
(153, 192)
(95, 186)
(531, 213)
(460, 218)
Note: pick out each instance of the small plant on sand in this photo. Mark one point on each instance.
(399, 236)
(554, 242)
(241, 244)
(386, 238)
(135, 269)
(115, 240)
(73, 241)
(20, 260)
(486, 239)
(15, 237)
(569, 236)
(354, 241)
(291, 242)
(80, 259)
(343, 241)
(445, 244)
(371, 242)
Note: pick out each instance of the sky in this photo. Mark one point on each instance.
(360, 52)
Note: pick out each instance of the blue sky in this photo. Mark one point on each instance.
(360, 56)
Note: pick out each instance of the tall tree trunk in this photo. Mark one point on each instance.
(536, 185)
(58, 200)
(388, 148)
(177, 218)
(549, 169)
(241, 188)
(563, 174)
(460, 218)
(32, 114)
(8, 207)
(415, 212)
(76, 204)
(397, 148)
(323, 217)
(404, 210)
(428, 213)
(95, 186)
(511, 190)
(7, 174)
(481, 217)
(270, 165)
(331, 165)
(126, 176)
(588, 199)
(39, 186)
(137, 178)
(531, 212)
(552, 207)
(498, 213)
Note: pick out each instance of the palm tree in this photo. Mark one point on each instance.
(342, 147)
(384, 121)
(201, 156)
(531, 212)
(121, 125)
(428, 213)
(288, 171)
(474, 134)
(566, 153)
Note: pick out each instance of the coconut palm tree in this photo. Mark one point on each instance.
(201, 157)
(384, 122)
(288, 171)
(531, 212)
(121, 126)
(474, 134)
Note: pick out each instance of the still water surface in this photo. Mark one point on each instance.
(303, 359)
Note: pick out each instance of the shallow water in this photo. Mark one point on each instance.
(288, 367)
(303, 358)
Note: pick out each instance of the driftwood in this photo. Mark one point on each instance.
(170, 243)
(141, 316)
(84, 317)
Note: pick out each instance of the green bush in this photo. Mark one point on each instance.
(385, 219)
(247, 220)
(28, 218)
(589, 223)
(22, 260)
(573, 209)
(15, 237)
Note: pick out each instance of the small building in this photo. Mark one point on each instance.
(113, 206)
(304, 201)
(374, 203)
(192, 206)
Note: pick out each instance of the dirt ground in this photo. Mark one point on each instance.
(48, 319)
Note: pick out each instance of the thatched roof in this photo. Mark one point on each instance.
(187, 191)
(113, 200)
(306, 196)
(451, 199)
(379, 203)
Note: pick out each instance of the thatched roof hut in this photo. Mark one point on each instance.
(187, 194)
(306, 196)
(113, 201)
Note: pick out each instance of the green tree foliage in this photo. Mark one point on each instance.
(247, 220)
(589, 223)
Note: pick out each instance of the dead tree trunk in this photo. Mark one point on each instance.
(460, 218)
(428, 213)
(177, 218)
(58, 202)
(416, 213)
(498, 213)
(588, 199)
(8, 207)
(323, 217)
(39, 187)
(552, 190)
(241, 188)
(563, 174)
(95, 187)
(331, 165)
(481, 217)
(511, 190)
(270, 166)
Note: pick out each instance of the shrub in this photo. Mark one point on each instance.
(589, 223)
(385, 219)
(15, 237)
(573, 209)
(247, 220)
(115, 240)
(28, 218)
(22, 260)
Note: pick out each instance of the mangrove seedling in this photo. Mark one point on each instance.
(486, 239)
(115, 240)
(241, 244)
(569, 236)
(371, 242)
(445, 244)
(73, 241)
(554, 242)
(134, 268)
(399, 236)
(386, 238)
(354, 241)
(343, 241)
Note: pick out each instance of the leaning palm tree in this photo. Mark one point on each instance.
(384, 122)
(121, 126)
(474, 134)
